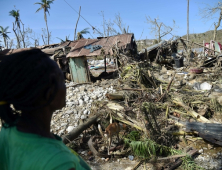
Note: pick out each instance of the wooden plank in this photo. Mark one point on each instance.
(73, 70)
(79, 70)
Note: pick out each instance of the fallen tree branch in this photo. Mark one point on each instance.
(130, 123)
(115, 96)
(78, 130)
(179, 161)
(194, 114)
(78, 84)
(94, 151)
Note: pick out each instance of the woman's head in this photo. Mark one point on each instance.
(29, 80)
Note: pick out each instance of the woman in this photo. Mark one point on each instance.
(31, 88)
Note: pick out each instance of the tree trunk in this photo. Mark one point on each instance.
(5, 42)
(158, 34)
(78, 130)
(46, 26)
(22, 34)
(217, 25)
(159, 29)
(187, 20)
(77, 23)
(18, 42)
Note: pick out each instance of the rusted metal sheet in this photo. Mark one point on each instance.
(77, 47)
(79, 70)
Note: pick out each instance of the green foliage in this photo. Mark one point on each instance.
(15, 14)
(81, 33)
(3, 32)
(134, 135)
(148, 148)
(45, 5)
(189, 164)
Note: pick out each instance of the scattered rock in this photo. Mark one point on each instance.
(131, 157)
(70, 128)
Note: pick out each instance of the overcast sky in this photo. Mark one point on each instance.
(62, 18)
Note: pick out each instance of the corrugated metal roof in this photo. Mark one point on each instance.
(78, 50)
(156, 45)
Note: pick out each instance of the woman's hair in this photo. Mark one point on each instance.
(24, 78)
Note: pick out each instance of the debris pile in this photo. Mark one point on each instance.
(169, 101)
(162, 110)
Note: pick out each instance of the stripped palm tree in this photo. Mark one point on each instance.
(45, 5)
(16, 15)
(3, 33)
(81, 33)
(62, 41)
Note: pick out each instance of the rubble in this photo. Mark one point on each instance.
(170, 101)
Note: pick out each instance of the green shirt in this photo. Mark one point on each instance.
(26, 151)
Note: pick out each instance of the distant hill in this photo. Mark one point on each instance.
(206, 36)
(198, 38)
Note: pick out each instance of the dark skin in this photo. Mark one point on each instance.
(41, 118)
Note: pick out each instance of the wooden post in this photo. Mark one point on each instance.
(77, 24)
(203, 48)
(105, 62)
(187, 20)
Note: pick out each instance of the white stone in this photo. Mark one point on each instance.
(70, 104)
(89, 112)
(94, 97)
(205, 86)
(100, 95)
(201, 150)
(86, 98)
(75, 111)
(81, 102)
(83, 117)
(76, 116)
(60, 132)
(85, 112)
(83, 152)
(76, 102)
(70, 128)
(69, 112)
(63, 124)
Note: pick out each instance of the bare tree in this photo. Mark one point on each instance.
(159, 28)
(119, 22)
(208, 12)
(108, 26)
(11, 43)
(17, 36)
(45, 36)
(35, 37)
